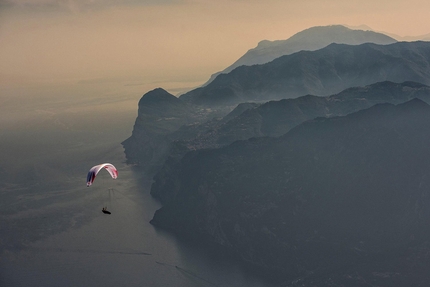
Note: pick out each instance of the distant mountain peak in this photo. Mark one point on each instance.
(310, 39)
(157, 95)
(323, 72)
(359, 27)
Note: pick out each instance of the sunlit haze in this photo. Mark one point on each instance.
(129, 47)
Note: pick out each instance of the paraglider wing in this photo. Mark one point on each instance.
(95, 170)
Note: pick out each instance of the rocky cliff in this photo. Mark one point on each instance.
(332, 192)
(167, 127)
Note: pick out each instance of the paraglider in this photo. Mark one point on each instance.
(105, 211)
(95, 170)
(93, 173)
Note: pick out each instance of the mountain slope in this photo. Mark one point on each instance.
(322, 72)
(332, 192)
(309, 40)
(162, 119)
(276, 118)
(169, 128)
(159, 114)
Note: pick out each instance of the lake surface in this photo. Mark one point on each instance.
(52, 230)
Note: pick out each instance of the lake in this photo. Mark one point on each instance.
(52, 230)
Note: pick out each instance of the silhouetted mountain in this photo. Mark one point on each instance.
(170, 128)
(425, 37)
(308, 40)
(159, 114)
(276, 118)
(332, 194)
(161, 103)
(323, 72)
(164, 119)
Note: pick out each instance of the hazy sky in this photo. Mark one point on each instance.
(136, 45)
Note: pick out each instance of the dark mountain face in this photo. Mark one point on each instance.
(308, 40)
(311, 188)
(162, 119)
(160, 114)
(160, 103)
(332, 192)
(276, 118)
(167, 127)
(323, 72)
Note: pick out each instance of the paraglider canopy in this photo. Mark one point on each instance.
(95, 170)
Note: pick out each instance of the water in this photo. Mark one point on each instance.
(52, 230)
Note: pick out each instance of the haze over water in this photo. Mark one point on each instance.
(53, 232)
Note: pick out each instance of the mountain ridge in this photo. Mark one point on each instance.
(170, 134)
(330, 192)
(310, 39)
(322, 72)
(313, 167)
